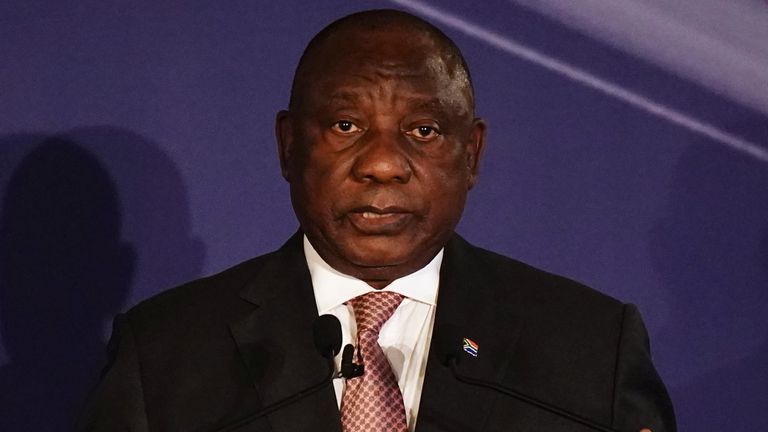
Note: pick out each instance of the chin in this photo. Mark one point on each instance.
(387, 254)
(375, 257)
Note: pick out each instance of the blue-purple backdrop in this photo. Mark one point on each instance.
(137, 152)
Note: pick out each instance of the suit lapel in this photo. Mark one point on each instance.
(275, 342)
(466, 303)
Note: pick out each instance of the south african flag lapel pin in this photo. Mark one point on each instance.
(471, 347)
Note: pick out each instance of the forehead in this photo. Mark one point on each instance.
(353, 63)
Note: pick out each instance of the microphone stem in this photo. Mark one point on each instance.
(283, 402)
(543, 405)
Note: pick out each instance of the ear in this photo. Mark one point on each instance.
(285, 140)
(475, 149)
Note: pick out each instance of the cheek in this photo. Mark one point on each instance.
(325, 176)
(446, 190)
(447, 174)
(317, 187)
(314, 165)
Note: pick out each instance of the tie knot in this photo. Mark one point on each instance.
(372, 310)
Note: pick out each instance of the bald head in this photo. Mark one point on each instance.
(351, 29)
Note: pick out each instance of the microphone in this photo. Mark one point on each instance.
(448, 343)
(348, 368)
(326, 331)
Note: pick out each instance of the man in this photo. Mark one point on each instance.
(380, 146)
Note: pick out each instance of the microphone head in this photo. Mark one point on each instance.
(326, 331)
(447, 340)
(348, 368)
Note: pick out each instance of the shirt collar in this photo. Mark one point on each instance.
(333, 288)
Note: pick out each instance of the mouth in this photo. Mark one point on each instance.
(379, 221)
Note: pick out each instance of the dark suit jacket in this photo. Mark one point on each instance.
(207, 353)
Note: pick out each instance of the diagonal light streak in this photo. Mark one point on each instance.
(583, 77)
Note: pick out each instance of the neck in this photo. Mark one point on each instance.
(378, 284)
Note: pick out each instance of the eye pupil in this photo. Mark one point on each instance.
(425, 130)
(345, 126)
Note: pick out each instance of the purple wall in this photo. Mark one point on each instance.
(137, 152)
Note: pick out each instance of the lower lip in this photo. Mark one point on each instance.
(375, 223)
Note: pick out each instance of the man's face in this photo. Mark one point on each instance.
(380, 152)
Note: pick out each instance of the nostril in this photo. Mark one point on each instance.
(384, 173)
(382, 166)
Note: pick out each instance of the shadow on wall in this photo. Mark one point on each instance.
(711, 251)
(83, 214)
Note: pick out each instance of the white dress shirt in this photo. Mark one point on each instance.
(404, 338)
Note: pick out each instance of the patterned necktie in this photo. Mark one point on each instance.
(373, 402)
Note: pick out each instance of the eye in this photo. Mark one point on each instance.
(345, 127)
(424, 133)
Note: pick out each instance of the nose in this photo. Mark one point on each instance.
(382, 159)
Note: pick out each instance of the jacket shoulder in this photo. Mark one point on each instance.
(198, 302)
(511, 278)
